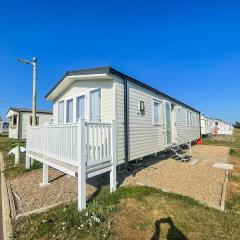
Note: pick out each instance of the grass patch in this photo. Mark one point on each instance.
(131, 213)
(228, 140)
(6, 144)
(233, 187)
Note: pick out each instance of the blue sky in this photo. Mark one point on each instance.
(187, 49)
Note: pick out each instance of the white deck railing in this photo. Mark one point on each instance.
(89, 147)
(61, 142)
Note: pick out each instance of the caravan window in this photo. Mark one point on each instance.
(37, 120)
(189, 118)
(69, 111)
(61, 112)
(157, 113)
(14, 120)
(95, 105)
(80, 108)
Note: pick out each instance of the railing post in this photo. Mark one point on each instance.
(45, 166)
(28, 159)
(81, 165)
(17, 154)
(113, 173)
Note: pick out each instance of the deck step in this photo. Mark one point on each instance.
(180, 153)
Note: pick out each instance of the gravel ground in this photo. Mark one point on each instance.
(200, 180)
(32, 196)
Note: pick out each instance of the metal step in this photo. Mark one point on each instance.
(180, 153)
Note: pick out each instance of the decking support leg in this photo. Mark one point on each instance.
(113, 172)
(82, 198)
(32, 161)
(17, 155)
(190, 148)
(113, 178)
(81, 190)
(27, 162)
(45, 175)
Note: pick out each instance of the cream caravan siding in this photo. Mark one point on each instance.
(146, 138)
(186, 133)
(83, 87)
(13, 130)
(119, 90)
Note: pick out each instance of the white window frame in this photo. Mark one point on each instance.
(189, 118)
(63, 111)
(161, 113)
(85, 106)
(194, 119)
(66, 112)
(89, 103)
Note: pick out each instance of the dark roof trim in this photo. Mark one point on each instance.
(28, 110)
(110, 70)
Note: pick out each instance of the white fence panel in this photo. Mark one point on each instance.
(98, 142)
(60, 142)
(35, 139)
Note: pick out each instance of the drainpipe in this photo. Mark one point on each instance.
(126, 122)
(18, 125)
(200, 125)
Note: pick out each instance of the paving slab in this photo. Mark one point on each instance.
(226, 166)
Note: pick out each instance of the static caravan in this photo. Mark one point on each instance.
(103, 118)
(3, 127)
(20, 118)
(147, 120)
(222, 128)
(207, 125)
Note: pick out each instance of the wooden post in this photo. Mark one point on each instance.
(113, 172)
(45, 175)
(190, 148)
(17, 154)
(32, 162)
(27, 162)
(28, 159)
(81, 165)
(45, 166)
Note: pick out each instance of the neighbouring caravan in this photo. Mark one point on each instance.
(148, 121)
(222, 128)
(3, 127)
(207, 125)
(103, 118)
(20, 118)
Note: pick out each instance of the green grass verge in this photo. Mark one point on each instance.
(233, 201)
(229, 141)
(97, 222)
(6, 144)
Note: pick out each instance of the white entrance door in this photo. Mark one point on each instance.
(168, 123)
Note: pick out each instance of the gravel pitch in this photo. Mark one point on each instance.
(200, 180)
(31, 196)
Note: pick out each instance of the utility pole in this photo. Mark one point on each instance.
(34, 97)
